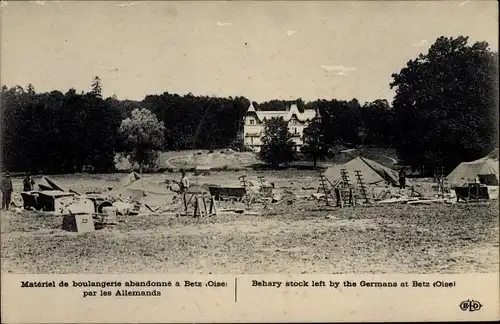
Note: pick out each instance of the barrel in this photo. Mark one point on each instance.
(109, 215)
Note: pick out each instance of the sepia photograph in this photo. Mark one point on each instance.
(249, 137)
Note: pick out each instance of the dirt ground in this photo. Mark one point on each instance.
(301, 237)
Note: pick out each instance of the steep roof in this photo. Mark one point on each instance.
(308, 114)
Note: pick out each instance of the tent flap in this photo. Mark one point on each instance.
(371, 172)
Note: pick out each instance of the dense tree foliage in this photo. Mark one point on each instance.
(277, 144)
(315, 145)
(279, 105)
(342, 121)
(142, 136)
(377, 123)
(198, 122)
(62, 133)
(56, 132)
(446, 104)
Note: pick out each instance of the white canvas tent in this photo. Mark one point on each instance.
(484, 170)
(372, 172)
(134, 186)
(148, 191)
(128, 179)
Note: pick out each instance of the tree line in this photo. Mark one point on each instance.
(445, 111)
(57, 132)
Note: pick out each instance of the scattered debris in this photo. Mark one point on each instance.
(203, 170)
(74, 205)
(393, 200)
(318, 196)
(250, 197)
(426, 201)
(232, 210)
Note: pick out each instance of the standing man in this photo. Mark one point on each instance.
(6, 187)
(184, 181)
(402, 178)
(28, 183)
(184, 184)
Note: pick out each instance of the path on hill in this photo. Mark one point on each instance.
(168, 164)
(393, 160)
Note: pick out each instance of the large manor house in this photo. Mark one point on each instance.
(253, 130)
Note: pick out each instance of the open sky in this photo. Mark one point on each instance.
(261, 50)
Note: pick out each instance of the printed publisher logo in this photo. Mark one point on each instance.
(470, 305)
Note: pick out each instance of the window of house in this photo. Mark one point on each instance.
(252, 122)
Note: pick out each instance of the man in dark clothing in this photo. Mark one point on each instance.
(184, 184)
(28, 183)
(402, 178)
(6, 191)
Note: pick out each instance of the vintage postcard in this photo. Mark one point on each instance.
(249, 161)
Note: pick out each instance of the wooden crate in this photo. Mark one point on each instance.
(30, 199)
(81, 223)
(47, 199)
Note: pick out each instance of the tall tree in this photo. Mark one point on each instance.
(377, 123)
(31, 89)
(143, 137)
(277, 143)
(342, 121)
(315, 144)
(446, 104)
(96, 87)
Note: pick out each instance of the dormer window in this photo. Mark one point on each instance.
(252, 122)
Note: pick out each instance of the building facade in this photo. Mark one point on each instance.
(254, 123)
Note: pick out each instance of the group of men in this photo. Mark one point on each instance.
(7, 189)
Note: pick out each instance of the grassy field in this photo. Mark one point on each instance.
(301, 237)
